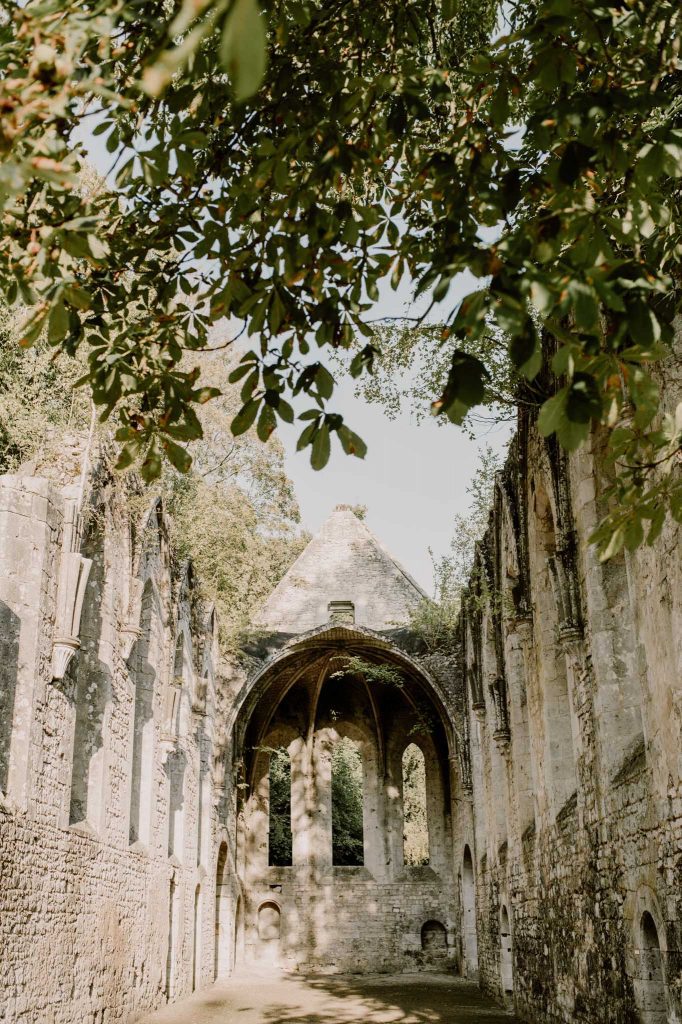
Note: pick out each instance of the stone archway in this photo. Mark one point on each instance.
(358, 912)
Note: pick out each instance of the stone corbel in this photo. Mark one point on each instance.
(130, 630)
(74, 571)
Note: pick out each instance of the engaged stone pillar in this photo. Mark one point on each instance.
(320, 804)
(300, 811)
(257, 823)
(372, 816)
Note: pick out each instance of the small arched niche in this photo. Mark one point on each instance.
(650, 980)
(434, 938)
(269, 930)
(415, 816)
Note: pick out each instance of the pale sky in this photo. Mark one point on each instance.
(414, 477)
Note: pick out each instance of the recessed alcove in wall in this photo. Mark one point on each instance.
(650, 981)
(434, 938)
(506, 964)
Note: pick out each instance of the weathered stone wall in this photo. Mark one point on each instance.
(570, 742)
(84, 904)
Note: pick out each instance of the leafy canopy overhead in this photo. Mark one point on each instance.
(384, 139)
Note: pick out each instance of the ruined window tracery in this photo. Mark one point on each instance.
(347, 772)
(280, 841)
(415, 816)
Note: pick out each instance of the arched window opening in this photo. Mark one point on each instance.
(175, 768)
(280, 836)
(222, 962)
(196, 945)
(347, 805)
(91, 694)
(650, 983)
(173, 925)
(415, 821)
(469, 937)
(434, 938)
(560, 760)
(144, 676)
(10, 628)
(506, 969)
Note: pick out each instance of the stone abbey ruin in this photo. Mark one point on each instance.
(136, 855)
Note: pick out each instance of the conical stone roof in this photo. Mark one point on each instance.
(343, 565)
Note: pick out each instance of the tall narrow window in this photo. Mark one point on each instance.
(347, 805)
(469, 937)
(196, 945)
(91, 695)
(415, 822)
(173, 919)
(222, 916)
(506, 969)
(280, 840)
(175, 767)
(9, 660)
(144, 675)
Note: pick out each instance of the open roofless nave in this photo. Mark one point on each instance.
(170, 817)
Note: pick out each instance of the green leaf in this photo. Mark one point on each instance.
(553, 413)
(465, 387)
(319, 456)
(77, 296)
(351, 443)
(150, 469)
(178, 455)
(243, 48)
(525, 352)
(583, 401)
(244, 419)
(58, 325)
(266, 422)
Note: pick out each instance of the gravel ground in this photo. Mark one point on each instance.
(370, 999)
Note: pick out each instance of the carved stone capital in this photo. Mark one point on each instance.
(63, 650)
(502, 738)
(129, 635)
(478, 708)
